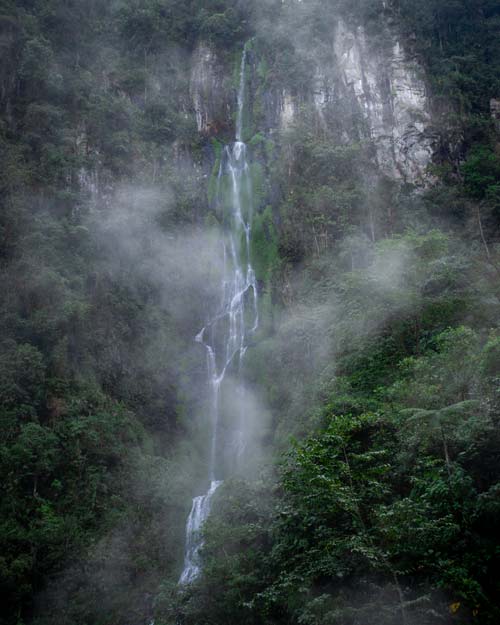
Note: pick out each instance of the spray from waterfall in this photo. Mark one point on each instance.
(225, 336)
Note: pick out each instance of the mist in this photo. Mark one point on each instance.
(249, 337)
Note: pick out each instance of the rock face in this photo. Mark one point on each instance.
(373, 91)
(366, 88)
(287, 110)
(211, 97)
(391, 96)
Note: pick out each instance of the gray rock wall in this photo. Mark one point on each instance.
(377, 83)
(210, 91)
(389, 89)
(368, 86)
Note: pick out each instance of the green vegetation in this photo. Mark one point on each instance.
(378, 353)
(264, 246)
(387, 513)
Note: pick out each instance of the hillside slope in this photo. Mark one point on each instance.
(374, 157)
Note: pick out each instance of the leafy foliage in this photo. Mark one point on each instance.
(379, 347)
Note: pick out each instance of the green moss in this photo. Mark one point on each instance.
(269, 147)
(267, 314)
(258, 183)
(218, 147)
(257, 140)
(211, 221)
(262, 70)
(264, 245)
(212, 183)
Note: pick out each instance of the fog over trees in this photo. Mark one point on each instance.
(249, 312)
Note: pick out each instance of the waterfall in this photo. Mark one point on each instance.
(225, 335)
(241, 96)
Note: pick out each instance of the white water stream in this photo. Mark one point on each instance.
(225, 335)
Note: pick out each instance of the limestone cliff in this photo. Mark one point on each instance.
(210, 92)
(376, 92)
(388, 88)
(367, 86)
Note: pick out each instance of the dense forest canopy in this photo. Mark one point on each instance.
(373, 496)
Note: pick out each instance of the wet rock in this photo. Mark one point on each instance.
(211, 95)
(372, 90)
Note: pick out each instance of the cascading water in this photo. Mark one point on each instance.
(225, 336)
